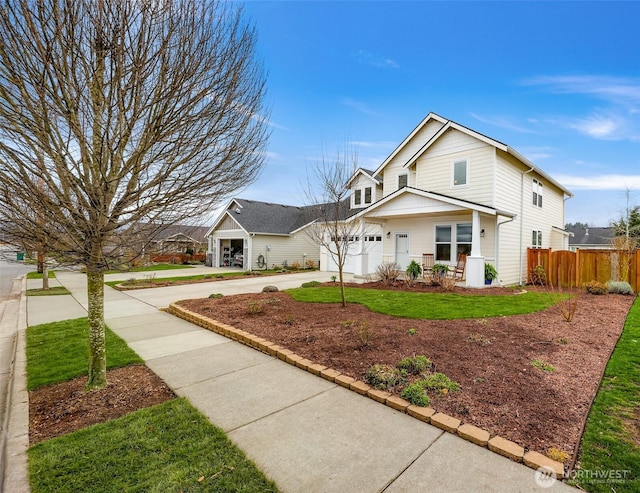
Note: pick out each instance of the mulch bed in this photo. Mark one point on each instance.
(490, 358)
(62, 408)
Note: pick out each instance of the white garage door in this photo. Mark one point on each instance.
(373, 249)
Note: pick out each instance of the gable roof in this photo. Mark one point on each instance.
(257, 217)
(450, 124)
(366, 172)
(591, 236)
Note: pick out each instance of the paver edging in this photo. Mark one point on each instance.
(466, 431)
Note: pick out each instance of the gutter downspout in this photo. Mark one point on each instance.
(522, 221)
(497, 240)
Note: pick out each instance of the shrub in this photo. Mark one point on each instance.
(415, 394)
(309, 264)
(415, 365)
(412, 332)
(216, 296)
(448, 284)
(365, 333)
(384, 377)
(295, 265)
(441, 382)
(595, 287)
(414, 269)
(538, 363)
(619, 287)
(254, 307)
(539, 276)
(389, 273)
(288, 319)
(311, 284)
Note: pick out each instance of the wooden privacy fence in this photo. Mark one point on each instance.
(565, 268)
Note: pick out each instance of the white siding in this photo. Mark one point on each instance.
(434, 168)
(360, 183)
(395, 166)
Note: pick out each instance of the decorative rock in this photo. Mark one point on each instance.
(270, 289)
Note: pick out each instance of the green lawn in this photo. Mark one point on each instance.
(611, 440)
(434, 306)
(38, 275)
(200, 277)
(166, 448)
(59, 351)
(149, 268)
(52, 291)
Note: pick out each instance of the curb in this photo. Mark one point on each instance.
(468, 432)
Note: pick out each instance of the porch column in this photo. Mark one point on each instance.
(361, 263)
(475, 261)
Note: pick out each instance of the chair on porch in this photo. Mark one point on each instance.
(428, 261)
(458, 271)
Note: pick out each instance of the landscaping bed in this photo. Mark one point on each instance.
(528, 378)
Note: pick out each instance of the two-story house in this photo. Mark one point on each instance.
(446, 190)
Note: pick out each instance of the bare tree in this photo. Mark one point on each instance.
(118, 113)
(330, 195)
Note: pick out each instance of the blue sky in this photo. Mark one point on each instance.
(557, 81)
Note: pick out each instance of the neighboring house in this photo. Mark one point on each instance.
(447, 189)
(179, 238)
(590, 238)
(257, 235)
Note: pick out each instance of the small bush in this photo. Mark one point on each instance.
(539, 276)
(415, 365)
(558, 455)
(365, 333)
(440, 382)
(311, 284)
(389, 273)
(295, 265)
(216, 296)
(412, 332)
(619, 287)
(415, 394)
(414, 269)
(595, 287)
(288, 319)
(254, 307)
(538, 363)
(384, 377)
(309, 264)
(448, 284)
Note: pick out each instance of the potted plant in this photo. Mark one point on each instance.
(439, 270)
(414, 269)
(490, 273)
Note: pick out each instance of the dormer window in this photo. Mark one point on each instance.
(403, 181)
(367, 195)
(357, 197)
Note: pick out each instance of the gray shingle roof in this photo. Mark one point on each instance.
(270, 218)
(590, 236)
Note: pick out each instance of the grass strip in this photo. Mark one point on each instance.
(169, 447)
(611, 440)
(430, 306)
(58, 351)
(53, 291)
(150, 268)
(39, 275)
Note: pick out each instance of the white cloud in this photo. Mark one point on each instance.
(502, 122)
(358, 106)
(598, 126)
(369, 58)
(619, 90)
(600, 182)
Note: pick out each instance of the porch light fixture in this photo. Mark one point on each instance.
(482, 233)
(388, 234)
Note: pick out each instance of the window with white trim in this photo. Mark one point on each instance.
(403, 181)
(357, 197)
(452, 240)
(460, 173)
(537, 193)
(367, 195)
(536, 239)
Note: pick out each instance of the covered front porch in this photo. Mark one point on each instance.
(415, 222)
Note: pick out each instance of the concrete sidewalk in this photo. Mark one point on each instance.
(304, 432)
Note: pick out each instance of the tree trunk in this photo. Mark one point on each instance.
(45, 276)
(97, 354)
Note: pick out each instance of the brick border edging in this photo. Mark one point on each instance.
(471, 433)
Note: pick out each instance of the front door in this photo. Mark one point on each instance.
(402, 250)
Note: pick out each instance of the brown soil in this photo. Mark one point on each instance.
(490, 358)
(62, 408)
